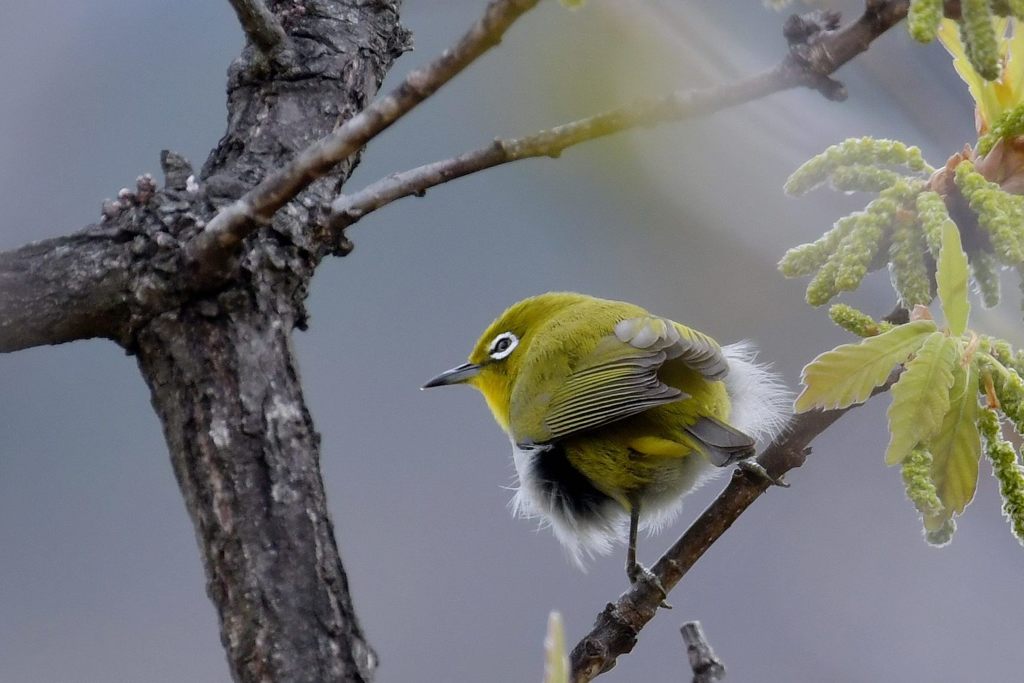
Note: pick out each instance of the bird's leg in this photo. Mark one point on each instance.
(636, 572)
(633, 568)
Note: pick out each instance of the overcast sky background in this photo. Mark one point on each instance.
(100, 578)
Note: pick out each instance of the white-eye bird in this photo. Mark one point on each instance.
(614, 413)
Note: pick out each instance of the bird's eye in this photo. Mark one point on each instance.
(503, 345)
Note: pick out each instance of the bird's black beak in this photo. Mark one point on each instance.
(463, 373)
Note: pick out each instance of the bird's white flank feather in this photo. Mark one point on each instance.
(582, 537)
(760, 401)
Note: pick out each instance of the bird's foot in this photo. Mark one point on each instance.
(638, 573)
(757, 470)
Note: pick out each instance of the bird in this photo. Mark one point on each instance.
(615, 414)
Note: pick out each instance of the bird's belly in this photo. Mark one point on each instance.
(584, 488)
(553, 485)
(656, 482)
(653, 478)
(583, 518)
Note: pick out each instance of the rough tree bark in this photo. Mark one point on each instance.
(216, 350)
(224, 379)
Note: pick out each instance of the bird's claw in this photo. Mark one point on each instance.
(638, 573)
(757, 470)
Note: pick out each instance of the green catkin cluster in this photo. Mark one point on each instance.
(985, 273)
(1010, 392)
(1001, 214)
(1009, 387)
(1003, 352)
(848, 263)
(1006, 470)
(857, 322)
(854, 246)
(823, 286)
(979, 37)
(1009, 125)
(942, 535)
(854, 152)
(918, 482)
(907, 267)
(923, 19)
(881, 259)
(805, 259)
(863, 179)
(933, 216)
(977, 32)
(858, 248)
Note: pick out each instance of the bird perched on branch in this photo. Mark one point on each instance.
(614, 413)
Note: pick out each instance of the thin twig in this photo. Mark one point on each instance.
(815, 53)
(260, 25)
(347, 209)
(706, 666)
(235, 221)
(616, 628)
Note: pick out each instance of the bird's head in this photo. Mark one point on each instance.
(498, 354)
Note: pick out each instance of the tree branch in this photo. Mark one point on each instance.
(706, 666)
(616, 629)
(64, 288)
(348, 209)
(104, 280)
(816, 51)
(234, 222)
(260, 25)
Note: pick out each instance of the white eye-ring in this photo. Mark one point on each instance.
(504, 344)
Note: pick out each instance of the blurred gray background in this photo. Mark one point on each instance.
(830, 580)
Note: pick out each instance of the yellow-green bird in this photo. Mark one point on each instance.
(614, 413)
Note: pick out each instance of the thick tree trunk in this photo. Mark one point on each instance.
(224, 378)
(225, 384)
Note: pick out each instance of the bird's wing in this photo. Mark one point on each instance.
(617, 379)
(723, 443)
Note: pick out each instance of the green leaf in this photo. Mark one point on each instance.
(956, 448)
(920, 398)
(847, 374)
(952, 279)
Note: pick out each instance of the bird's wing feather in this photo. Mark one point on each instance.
(617, 379)
(723, 443)
(606, 392)
(679, 342)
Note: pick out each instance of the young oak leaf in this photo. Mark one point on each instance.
(951, 276)
(956, 447)
(920, 398)
(848, 373)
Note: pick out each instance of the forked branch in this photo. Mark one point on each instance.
(234, 222)
(260, 25)
(816, 51)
